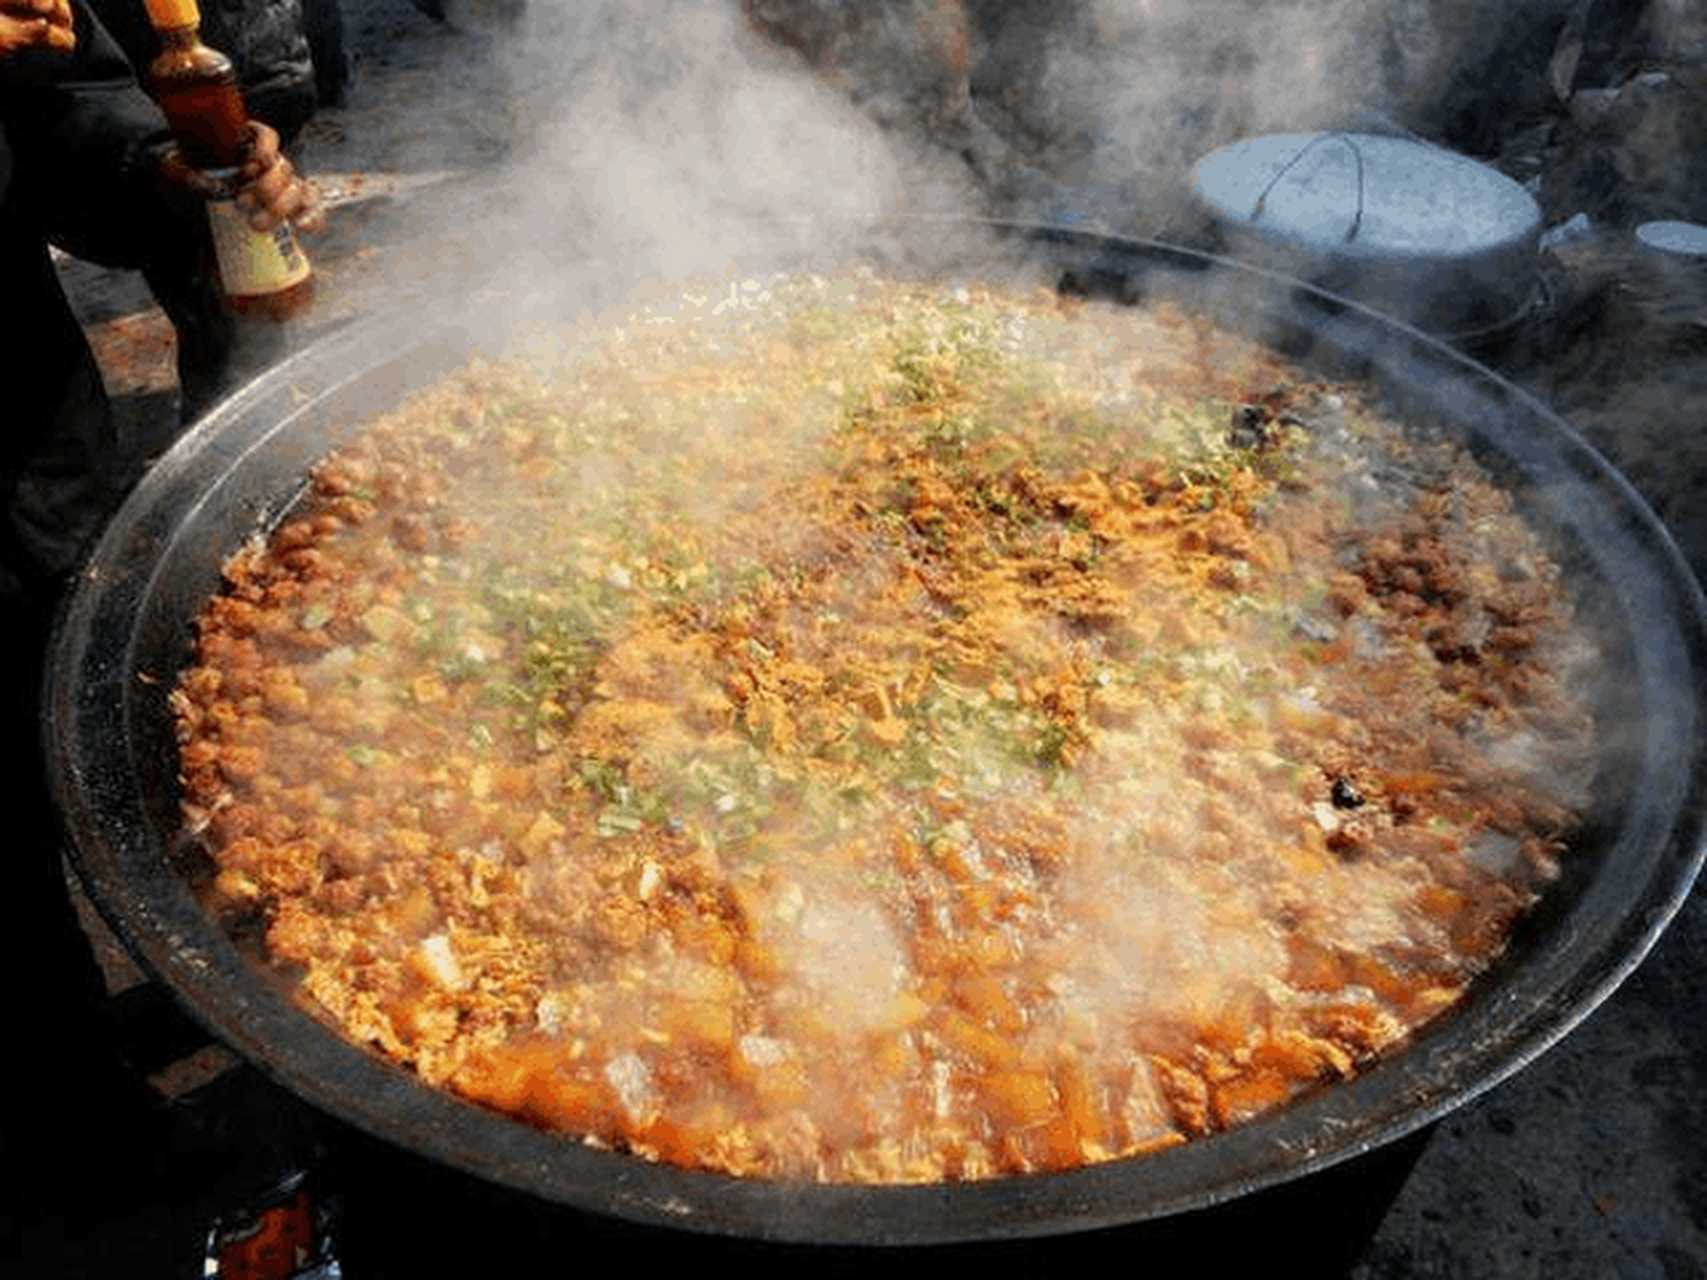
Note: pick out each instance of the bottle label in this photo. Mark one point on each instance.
(253, 262)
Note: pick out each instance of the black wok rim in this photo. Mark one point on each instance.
(99, 683)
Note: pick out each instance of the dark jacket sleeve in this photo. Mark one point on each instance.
(89, 138)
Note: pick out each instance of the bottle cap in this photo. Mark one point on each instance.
(168, 14)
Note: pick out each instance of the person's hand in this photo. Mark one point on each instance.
(44, 25)
(269, 189)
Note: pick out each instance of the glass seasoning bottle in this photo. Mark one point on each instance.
(263, 273)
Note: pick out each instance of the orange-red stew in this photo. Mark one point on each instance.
(857, 731)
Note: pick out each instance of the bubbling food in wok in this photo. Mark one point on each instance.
(866, 731)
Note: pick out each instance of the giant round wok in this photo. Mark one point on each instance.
(127, 631)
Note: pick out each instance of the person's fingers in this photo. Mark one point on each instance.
(179, 172)
(272, 192)
(278, 194)
(47, 15)
(24, 31)
(57, 12)
(262, 152)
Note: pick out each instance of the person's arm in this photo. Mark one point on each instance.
(87, 135)
(114, 187)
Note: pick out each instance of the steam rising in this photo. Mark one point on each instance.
(670, 138)
(673, 138)
(1128, 94)
(667, 141)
